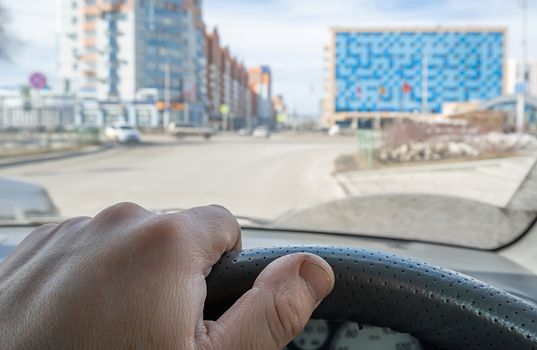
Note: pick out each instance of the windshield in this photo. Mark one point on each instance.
(414, 120)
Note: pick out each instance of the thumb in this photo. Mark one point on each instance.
(278, 306)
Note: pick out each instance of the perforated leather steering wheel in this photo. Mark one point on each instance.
(441, 307)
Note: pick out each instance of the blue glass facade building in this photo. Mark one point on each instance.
(388, 70)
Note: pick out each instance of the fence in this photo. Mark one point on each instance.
(24, 142)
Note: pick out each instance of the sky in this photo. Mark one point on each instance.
(288, 35)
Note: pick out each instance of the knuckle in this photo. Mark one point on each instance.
(219, 209)
(290, 314)
(44, 230)
(120, 211)
(219, 212)
(124, 208)
(76, 221)
(46, 227)
(221, 215)
(162, 229)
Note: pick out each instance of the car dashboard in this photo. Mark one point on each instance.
(328, 335)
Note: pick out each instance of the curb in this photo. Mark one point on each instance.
(53, 156)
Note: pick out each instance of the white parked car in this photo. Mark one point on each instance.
(245, 132)
(122, 133)
(182, 130)
(334, 130)
(261, 131)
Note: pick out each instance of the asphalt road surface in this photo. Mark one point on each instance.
(262, 178)
(254, 177)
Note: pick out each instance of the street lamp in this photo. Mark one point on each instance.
(167, 82)
(521, 85)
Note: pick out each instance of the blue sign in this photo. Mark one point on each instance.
(520, 88)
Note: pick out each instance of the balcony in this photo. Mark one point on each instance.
(89, 26)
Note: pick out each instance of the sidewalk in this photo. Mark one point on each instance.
(42, 157)
(491, 181)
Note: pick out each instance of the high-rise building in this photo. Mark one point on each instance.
(227, 86)
(390, 71)
(119, 54)
(110, 50)
(260, 80)
(214, 76)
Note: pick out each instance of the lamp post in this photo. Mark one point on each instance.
(521, 86)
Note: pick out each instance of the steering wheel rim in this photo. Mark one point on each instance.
(438, 306)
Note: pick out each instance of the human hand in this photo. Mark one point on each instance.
(128, 278)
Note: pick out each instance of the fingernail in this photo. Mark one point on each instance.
(317, 279)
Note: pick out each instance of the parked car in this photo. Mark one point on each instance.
(334, 130)
(261, 131)
(182, 130)
(122, 133)
(245, 132)
(21, 200)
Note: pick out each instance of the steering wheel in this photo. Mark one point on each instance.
(443, 308)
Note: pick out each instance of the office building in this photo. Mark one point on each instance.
(391, 72)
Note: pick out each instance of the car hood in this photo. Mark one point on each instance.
(418, 217)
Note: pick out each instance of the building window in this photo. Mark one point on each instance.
(90, 2)
(74, 20)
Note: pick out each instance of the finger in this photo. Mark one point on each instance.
(120, 217)
(40, 239)
(27, 248)
(276, 309)
(212, 231)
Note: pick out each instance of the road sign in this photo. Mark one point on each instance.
(281, 117)
(38, 81)
(224, 109)
(520, 88)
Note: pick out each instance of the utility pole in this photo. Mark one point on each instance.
(521, 86)
(424, 79)
(167, 81)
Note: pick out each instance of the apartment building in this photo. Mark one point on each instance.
(120, 53)
(117, 50)
(260, 81)
(227, 86)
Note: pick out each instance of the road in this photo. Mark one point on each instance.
(252, 177)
